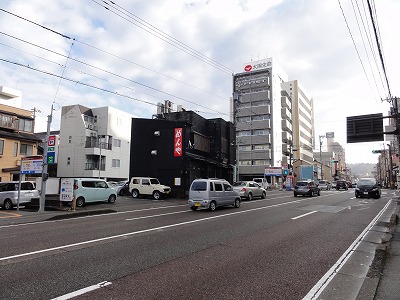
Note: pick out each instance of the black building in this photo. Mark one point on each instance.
(179, 147)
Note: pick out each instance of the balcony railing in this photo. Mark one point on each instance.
(95, 166)
(97, 144)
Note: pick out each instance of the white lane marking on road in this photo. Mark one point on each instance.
(316, 291)
(93, 216)
(83, 291)
(159, 215)
(303, 215)
(147, 230)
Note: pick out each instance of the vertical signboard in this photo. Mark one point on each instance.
(178, 142)
(51, 149)
(66, 189)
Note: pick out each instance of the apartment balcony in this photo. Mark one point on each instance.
(95, 166)
(286, 136)
(286, 125)
(96, 144)
(286, 103)
(286, 114)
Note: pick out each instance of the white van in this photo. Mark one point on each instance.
(9, 193)
(92, 190)
(262, 182)
(210, 193)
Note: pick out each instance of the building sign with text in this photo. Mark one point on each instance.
(178, 142)
(258, 65)
(32, 165)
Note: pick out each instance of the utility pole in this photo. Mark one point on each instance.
(391, 167)
(320, 154)
(42, 201)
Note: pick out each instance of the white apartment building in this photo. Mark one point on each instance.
(94, 142)
(303, 140)
(257, 111)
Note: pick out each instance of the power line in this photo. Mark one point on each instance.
(142, 24)
(109, 53)
(94, 87)
(379, 48)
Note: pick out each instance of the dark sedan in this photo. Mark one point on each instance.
(368, 188)
(306, 188)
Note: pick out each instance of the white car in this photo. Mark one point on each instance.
(324, 185)
(148, 186)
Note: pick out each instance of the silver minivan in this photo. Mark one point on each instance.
(9, 193)
(92, 190)
(211, 193)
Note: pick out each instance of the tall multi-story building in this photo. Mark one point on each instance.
(16, 134)
(262, 121)
(94, 143)
(302, 116)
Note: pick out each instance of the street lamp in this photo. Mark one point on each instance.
(320, 154)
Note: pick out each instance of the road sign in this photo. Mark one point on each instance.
(51, 157)
(67, 189)
(51, 141)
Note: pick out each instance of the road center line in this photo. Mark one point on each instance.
(159, 215)
(303, 215)
(147, 230)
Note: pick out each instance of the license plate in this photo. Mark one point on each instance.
(197, 204)
(365, 193)
(29, 194)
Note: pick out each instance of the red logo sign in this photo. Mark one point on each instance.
(248, 68)
(178, 142)
(51, 141)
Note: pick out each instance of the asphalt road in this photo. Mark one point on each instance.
(274, 248)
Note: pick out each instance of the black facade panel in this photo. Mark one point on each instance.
(365, 128)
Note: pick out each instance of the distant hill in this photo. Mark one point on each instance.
(362, 170)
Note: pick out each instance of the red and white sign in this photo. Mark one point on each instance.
(178, 142)
(51, 141)
(248, 68)
(258, 65)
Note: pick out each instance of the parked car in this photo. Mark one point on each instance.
(211, 193)
(249, 190)
(324, 185)
(149, 187)
(341, 184)
(92, 190)
(368, 188)
(9, 193)
(113, 185)
(123, 188)
(333, 185)
(306, 188)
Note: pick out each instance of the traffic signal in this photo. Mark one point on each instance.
(376, 151)
(285, 172)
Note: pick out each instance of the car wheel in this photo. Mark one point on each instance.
(295, 194)
(156, 195)
(111, 199)
(250, 197)
(193, 208)
(237, 203)
(121, 193)
(357, 196)
(135, 193)
(213, 206)
(319, 193)
(80, 202)
(263, 195)
(378, 197)
(7, 204)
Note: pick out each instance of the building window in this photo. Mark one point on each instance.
(260, 162)
(201, 143)
(261, 147)
(244, 119)
(1, 147)
(117, 143)
(261, 132)
(26, 149)
(260, 118)
(245, 162)
(25, 125)
(244, 133)
(68, 160)
(70, 139)
(245, 148)
(116, 163)
(15, 149)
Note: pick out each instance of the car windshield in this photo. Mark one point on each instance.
(300, 183)
(366, 182)
(241, 183)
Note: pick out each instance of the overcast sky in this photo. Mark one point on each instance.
(138, 53)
